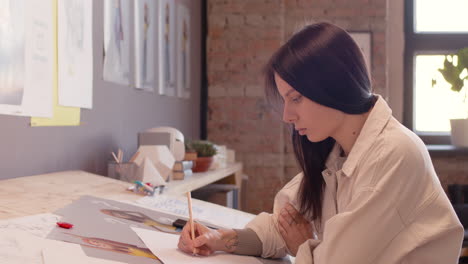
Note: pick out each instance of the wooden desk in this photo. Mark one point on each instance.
(48, 192)
(231, 174)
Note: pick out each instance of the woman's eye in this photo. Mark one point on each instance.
(296, 99)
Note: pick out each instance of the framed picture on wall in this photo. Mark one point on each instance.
(363, 39)
(183, 51)
(167, 47)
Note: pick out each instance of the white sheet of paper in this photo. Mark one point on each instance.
(146, 23)
(164, 246)
(75, 51)
(39, 225)
(116, 66)
(19, 247)
(183, 51)
(15, 247)
(205, 212)
(38, 61)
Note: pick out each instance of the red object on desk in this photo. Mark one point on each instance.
(64, 225)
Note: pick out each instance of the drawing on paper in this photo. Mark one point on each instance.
(105, 223)
(116, 41)
(145, 40)
(142, 218)
(114, 246)
(167, 41)
(74, 37)
(183, 54)
(12, 51)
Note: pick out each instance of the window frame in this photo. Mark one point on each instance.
(424, 43)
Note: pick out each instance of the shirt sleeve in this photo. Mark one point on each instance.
(249, 243)
(265, 224)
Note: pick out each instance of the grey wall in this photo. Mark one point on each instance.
(118, 114)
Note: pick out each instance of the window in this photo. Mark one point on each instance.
(433, 29)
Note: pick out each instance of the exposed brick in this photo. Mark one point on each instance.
(254, 91)
(242, 36)
(217, 91)
(254, 20)
(217, 20)
(234, 20)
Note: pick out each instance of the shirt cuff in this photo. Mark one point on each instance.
(249, 243)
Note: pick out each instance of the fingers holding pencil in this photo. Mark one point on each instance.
(192, 229)
(201, 244)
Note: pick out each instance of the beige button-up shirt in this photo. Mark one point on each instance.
(384, 204)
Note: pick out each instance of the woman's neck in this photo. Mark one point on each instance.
(349, 131)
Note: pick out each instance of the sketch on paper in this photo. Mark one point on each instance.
(167, 39)
(183, 51)
(12, 51)
(26, 57)
(116, 41)
(105, 229)
(113, 246)
(75, 53)
(145, 41)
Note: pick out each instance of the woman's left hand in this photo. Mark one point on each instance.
(294, 228)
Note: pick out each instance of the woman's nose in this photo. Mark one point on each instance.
(288, 117)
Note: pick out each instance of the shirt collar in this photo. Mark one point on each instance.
(375, 123)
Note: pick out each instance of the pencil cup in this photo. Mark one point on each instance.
(126, 171)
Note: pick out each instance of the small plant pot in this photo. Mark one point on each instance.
(459, 133)
(202, 164)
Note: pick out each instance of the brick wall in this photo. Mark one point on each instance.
(242, 34)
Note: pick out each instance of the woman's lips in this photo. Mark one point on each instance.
(301, 131)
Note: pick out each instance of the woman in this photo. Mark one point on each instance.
(367, 193)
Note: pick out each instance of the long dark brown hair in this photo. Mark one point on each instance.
(323, 63)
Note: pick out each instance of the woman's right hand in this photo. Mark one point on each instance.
(205, 243)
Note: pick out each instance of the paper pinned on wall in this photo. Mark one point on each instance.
(116, 67)
(167, 48)
(27, 52)
(146, 22)
(164, 246)
(75, 53)
(61, 116)
(183, 51)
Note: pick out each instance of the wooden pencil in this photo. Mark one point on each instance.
(192, 228)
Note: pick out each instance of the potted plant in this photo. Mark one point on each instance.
(205, 152)
(454, 72)
(190, 153)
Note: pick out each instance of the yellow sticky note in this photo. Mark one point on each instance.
(62, 115)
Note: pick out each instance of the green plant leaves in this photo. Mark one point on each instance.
(203, 148)
(451, 72)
